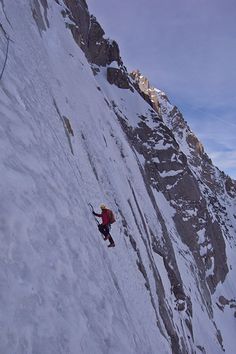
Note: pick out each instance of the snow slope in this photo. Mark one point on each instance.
(62, 289)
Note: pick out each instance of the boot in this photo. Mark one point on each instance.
(111, 245)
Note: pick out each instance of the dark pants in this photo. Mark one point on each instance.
(105, 230)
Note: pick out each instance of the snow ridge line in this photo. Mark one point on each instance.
(7, 50)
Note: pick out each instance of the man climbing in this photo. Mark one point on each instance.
(105, 227)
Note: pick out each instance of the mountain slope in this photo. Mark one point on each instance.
(75, 130)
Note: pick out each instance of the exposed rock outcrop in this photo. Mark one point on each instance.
(183, 188)
(89, 35)
(119, 78)
(144, 88)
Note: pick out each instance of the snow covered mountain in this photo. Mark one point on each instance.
(75, 128)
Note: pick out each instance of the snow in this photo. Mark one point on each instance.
(170, 173)
(62, 289)
(114, 64)
(201, 235)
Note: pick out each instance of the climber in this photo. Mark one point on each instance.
(105, 227)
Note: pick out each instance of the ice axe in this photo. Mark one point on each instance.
(93, 214)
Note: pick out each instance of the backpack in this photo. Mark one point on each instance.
(112, 217)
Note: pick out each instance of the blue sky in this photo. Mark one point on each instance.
(188, 49)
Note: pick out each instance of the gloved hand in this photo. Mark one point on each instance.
(93, 212)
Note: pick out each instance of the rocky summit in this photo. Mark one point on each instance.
(77, 130)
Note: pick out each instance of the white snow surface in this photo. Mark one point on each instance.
(62, 290)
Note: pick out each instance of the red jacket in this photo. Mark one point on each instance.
(105, 216)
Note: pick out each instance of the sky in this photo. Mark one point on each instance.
(186, 48)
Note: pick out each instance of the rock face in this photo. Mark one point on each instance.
(89, 35)
(119, 78)
(185, 188)
(143, 86)
(83, 131)
(99, 51)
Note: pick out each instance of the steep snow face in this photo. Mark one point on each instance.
(69, 138)
(63, 291)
